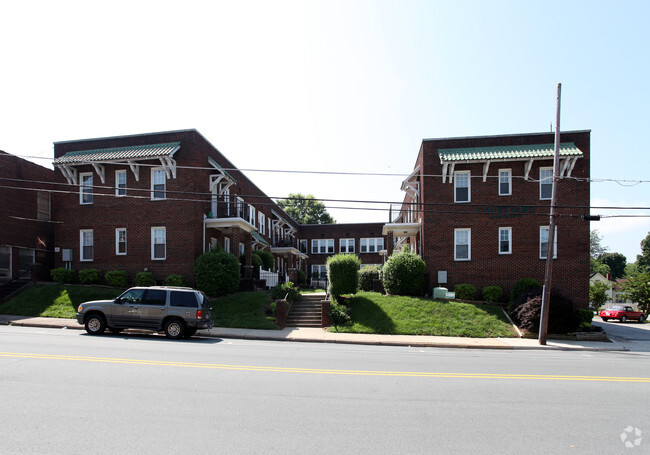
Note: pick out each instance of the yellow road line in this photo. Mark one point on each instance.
(216, 366)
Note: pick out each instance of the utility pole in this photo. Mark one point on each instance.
(546, 293)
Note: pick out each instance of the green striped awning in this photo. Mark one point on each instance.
(510, 152)
(135, 152)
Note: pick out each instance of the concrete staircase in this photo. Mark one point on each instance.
(306, 312)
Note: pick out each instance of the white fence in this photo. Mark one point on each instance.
(272, 278)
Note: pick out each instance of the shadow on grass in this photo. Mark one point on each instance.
(366, 313)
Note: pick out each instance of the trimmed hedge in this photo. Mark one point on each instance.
(144, 279)
(175, 280)
(343, 274)
(366, 277)
(403, 274)
(465, 291)
(492, 293)
(62, 275)
(217, 272)
(522, 287)
(89, 276)
(116, 278)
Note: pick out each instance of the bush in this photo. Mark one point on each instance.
(523, 286)
(465, 291)
(562, 318)
(89, 276)
(343, 274)
(492, 293)
(302, 278)
(403, 274)
(256, 261)
(585, 316)
(267, 259)
(144, 279)
(116, 278)
(62, 275)
(217, 272)
(287, 289)
(366, 277)
(175, 280)
(339, 314)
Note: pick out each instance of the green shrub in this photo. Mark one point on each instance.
(217, 272)
(302, 278)
(144, 279)
(366, 277)
(267, 259)
(175, 280)
(403, 274)
(523, 286)
(287, 289)
(90, 276)
(465, 291)
(562, 316)
(339, 314)
(343, 274)
(256, 262)
(62, 275)
(116, 278)
(585, 316)
(492, 293)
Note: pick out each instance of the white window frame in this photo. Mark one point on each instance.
(155, 229)
(319, 268)
(226, 200)
(469, 186)
(117, 242)
(507, 173)
(327, 245)
(546, 181)
(156, 171)
(86, 190)
(346, 245)
(371, 245)
(251, 214)
(226, 244)
(457, 244)
(120, 191)
(507, 230)
(543, 251)
(261, 218)
(242, 249)
(43, 206)
(83, 238)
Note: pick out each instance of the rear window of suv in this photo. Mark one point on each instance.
(155, 297)
(184, 299)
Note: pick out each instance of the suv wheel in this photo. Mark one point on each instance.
(95, 324)
(174, 328)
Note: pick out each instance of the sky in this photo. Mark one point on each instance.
(337, 86)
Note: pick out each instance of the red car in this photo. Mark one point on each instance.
(622, 313)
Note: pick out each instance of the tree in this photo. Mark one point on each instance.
(305, 209)
(596, 249)
(616, 263)
(643, 259)
(598, 293)
(631, 269)
(595, 266)
(637, 289)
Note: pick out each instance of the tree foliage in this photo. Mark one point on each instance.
(637, 289)
(598, 293)
(595, 266)
(403, 273)
(616, 263)
(643, 259)
(305, 209)
(596, 249)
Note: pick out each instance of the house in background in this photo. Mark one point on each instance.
(477, 210)
(26, 230)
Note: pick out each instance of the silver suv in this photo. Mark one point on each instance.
(180, 312)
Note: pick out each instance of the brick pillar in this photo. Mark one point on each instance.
(293, 275)
(248, 250)
(389, 244)
(234, 240)
(325, 313)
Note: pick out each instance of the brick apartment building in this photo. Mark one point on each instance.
(477, 210)
(26, 230)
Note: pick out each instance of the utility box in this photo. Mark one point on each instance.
(440, 293)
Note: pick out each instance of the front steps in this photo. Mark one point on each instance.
(306, 312)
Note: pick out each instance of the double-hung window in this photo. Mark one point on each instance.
(322, 246)
(462, 186)
(158, 243)
(319, 271)
(505, 182)
(372, 245)
(505, 240)
(261, 218)
(120, 241)
(158, 183)
(86, 244)
(462, 244)
(545, 182)
(346, 245)
(543, 242)
(86, 188)
(120, 183)
(251, 214)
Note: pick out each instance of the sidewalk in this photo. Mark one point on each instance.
(317, 335)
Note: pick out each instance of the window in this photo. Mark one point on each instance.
(86, 188)
(156, 297)
(505, 182)
(261, 222)
(86, 244)
(251, 214)
(183, 299)
(545, 182)
(346, 245)
(242, 249)
(322, 246)
(462, 244)
(158, 183)
(158, 243)
(319, 271)
(372, 245)
(120, 241)
(543, 242)
(43, 206)
(505, 240)
(120, 183)
(5, 261)
(239, 207)
(303, 246)
(462, 186)
(226, 244)
(226, 200)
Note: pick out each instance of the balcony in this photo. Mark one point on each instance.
(226, 214)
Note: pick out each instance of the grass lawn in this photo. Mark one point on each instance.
(375, 313)
(55, 300)
(242, 310)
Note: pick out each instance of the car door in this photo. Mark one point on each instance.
(153, 308)
(126, 311)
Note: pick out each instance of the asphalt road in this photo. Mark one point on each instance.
(63, 391)
(631, 334)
